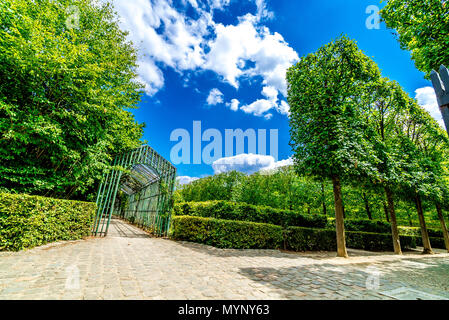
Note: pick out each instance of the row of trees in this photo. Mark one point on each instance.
(284, 189)
(351, 125)
(67, 82)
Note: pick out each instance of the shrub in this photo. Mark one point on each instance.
(363, 225)
(436, 236)
(226, 233)
(416, 231)
(307, 239)
(250, 235)
(376, 241)
(228, 210)
(28, 221)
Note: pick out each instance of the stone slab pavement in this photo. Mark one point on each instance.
(130, 264)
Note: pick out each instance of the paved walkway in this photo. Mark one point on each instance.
(128, 264)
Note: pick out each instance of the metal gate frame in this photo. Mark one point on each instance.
(141, 171)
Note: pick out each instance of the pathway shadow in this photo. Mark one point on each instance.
(331, 281)
(318, 255)
(121, 229)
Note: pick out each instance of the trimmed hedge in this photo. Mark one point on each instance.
(228, 210)
(307, 239)
(227, 234)
(29, 221)
(416, 231)
(363, 225)
(251, 235)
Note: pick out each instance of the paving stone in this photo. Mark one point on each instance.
(130, 265)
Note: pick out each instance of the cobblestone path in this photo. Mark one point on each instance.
(129, 264)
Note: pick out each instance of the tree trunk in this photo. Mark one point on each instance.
(386, 212)
(394, 225)
(339, 219)
(367, 208)
(443, 225)
(422, 223)
(323, 194)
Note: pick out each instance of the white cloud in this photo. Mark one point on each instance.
(427, 99)
(246, 41)
(218, 4)
(278, 164)
(262, 11)
(215, 97)
(248, 163)
(166, 37)
(261, 107)
(182, 180)
(233, 105)
(258, 107)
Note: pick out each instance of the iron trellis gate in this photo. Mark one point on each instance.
(146, 180)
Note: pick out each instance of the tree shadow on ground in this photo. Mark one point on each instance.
(119, 228)
(318, 255)
(327, 281)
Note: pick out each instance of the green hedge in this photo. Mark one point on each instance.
(29, 221)
(228, 210)
(227, 234)
(363, 225)
(251, 235)
(307, 239)
(416, 231)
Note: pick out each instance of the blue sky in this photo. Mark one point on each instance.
(240, 50)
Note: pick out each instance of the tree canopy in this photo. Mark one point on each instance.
(422, 27)
(68, 79)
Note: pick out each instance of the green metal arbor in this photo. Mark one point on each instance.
(139, 188)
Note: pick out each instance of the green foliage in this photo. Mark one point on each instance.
(416, 232)
(217, 187)
(373, 226)
(226, 233)
(245, 212)
(64, 97)
(249, 235)
(326, 123)
(306, 239)
(423, 29)
(284, 189)
(376, 241)
(29, 221)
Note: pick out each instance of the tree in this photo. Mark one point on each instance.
(326, 126)
(386, 100)
(68, 78)
(425, 146)
(423, 28)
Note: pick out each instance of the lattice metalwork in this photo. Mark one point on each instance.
(147, 181)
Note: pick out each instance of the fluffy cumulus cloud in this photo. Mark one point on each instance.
(215, 97)
(427, 99)
(182, 180)
(167, 37)
(233, 105)
(248, 163)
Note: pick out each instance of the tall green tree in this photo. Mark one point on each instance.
(67, 82)
(385, 102)
(326, 123)
(422, 27)
(425, 146)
